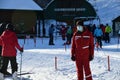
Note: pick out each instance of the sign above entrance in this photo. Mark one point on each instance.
(69, 9)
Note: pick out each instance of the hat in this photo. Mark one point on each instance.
(1, 24)
(79, 22)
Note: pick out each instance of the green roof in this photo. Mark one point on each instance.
(63, 10)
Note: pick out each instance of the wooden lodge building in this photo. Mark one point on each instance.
(22, 13)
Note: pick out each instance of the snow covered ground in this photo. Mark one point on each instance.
(40, 60)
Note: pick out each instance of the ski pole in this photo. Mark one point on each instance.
(21, 66)
(108, 63)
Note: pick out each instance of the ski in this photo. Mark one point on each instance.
(18, 78)
(10, 77)
(25, 73)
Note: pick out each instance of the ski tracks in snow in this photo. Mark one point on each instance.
(99, 66)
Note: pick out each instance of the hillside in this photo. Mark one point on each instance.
(107, 10)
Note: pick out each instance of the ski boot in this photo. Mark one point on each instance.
(1, 76)
(14, 76)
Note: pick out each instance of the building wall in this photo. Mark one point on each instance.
(24, 21)
(5, 15)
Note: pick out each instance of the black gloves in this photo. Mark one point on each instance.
(73, 58)
(91, 58)
(21, 50)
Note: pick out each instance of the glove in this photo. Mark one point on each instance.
(21, 50)
(73, 58)
(91, 58)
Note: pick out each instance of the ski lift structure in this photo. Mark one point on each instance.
(69, 11)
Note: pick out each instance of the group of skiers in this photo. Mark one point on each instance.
(9, 44)
(65, 32)
(102, 32)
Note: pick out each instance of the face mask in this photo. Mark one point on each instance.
(80, 28)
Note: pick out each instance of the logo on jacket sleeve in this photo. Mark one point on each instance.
(77, 37)
(86, 36)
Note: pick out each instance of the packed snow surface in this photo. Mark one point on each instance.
(39, 59)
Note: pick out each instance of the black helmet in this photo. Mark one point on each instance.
(10, 26)
(2, 27)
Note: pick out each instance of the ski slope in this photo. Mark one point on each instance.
(107, 10)
(40, 60)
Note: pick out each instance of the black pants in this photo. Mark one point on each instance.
(99, 40)
(69, 36)
(51, 42)
(5, 64)
(0, 62)
(107, 39)
(0, 50)
(0, 56)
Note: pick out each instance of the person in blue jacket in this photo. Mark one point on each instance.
(51, 36)
(98, 35)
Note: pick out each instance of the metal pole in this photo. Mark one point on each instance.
(21, 66)
(55, 63)
(108, 63)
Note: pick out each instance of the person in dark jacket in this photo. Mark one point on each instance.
(69, 35)
(51, 36)
(9, 43)
(82, 51)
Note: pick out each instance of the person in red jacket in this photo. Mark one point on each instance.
(82, 51)
(63, 32)
(9, 43)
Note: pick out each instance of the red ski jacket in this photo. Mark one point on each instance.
(9, 43)
(82, 45)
